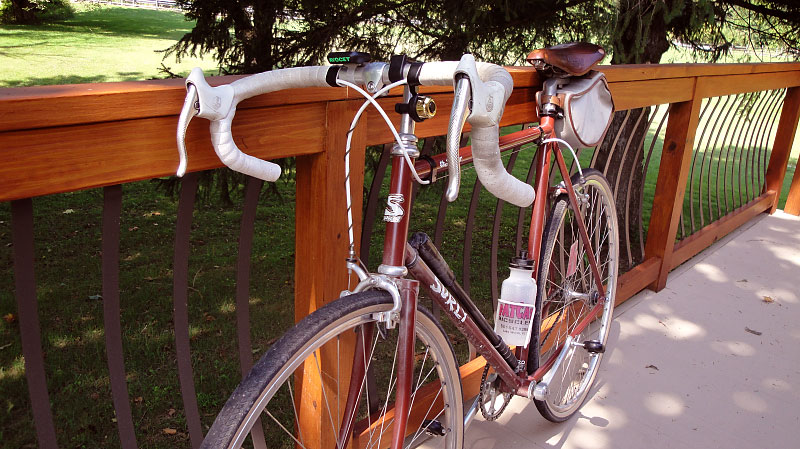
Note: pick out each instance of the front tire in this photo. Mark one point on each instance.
(317, 353)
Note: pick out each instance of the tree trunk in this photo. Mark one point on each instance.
(640, 38)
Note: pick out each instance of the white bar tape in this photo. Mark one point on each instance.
(221, 136)
(492, 173)
(485, 148)
(233, 157)
(275, 80)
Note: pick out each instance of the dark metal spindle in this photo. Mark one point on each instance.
(246, 231)
(372, 203)
(613, 144)
(636, 166)
(695, 151)
(721, 172)
(767, 147)
(30, 329)
(757, 124)
(180, 292)
(625, 151)
(625, 233)
(524, 212)
(728, 135)
(745, 119)
(715, 132)
(473, 209)
(760, 144)
(498, 215)
(112, 206)
(706, 153)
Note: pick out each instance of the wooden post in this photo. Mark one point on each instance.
(781, 148)
(321, 245)
(676, 160)
(793, 200)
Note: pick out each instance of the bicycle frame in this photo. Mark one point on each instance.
(399, 258)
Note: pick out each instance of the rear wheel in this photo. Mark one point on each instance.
(567, 294)
(318, 356)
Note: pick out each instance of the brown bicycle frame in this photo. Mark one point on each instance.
(397, 252)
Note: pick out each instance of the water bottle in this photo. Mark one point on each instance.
(514, 317)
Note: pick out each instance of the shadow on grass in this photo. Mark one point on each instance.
(130, 22)
(69, 79)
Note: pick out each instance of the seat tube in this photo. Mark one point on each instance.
(537, 221)
(539, 205)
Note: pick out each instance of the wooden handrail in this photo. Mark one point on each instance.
(64, 138)
(32, 107)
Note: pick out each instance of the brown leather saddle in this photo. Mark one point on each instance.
(573, 59)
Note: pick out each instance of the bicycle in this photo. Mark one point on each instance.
(377, 331)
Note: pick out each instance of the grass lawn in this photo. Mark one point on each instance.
(98, 44)
(113, 44)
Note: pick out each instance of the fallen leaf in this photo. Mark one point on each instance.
(209, 317)
(652, 367)
(768, 299)
(10, 318)
(138, 399)
(68, 211)
(171, 412)
(170, 431)
(747, 329)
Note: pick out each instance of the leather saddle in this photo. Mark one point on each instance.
(573, 59)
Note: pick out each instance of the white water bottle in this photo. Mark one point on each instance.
(514, 317)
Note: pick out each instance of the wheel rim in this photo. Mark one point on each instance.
(281, 410)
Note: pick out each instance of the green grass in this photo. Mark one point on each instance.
(98, 44)
(68, 257)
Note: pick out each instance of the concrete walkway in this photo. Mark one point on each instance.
(709, 362)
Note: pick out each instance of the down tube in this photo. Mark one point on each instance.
(420, 271)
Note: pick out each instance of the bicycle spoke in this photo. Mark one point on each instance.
(324, 394)
(284, 429)
(388, 394)
(294, 408)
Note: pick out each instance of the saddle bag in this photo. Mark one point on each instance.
(588, 109)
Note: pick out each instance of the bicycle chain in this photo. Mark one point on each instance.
(487, 386)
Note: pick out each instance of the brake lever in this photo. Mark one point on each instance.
(458, 116)
(191, 107)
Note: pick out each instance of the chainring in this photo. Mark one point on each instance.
(490, 396)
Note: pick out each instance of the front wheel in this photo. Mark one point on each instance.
(297, 394)
(567, 293)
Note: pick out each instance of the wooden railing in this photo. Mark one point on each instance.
(56, 139)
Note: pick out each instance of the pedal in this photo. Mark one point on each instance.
(594, 346)
(433, 427)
